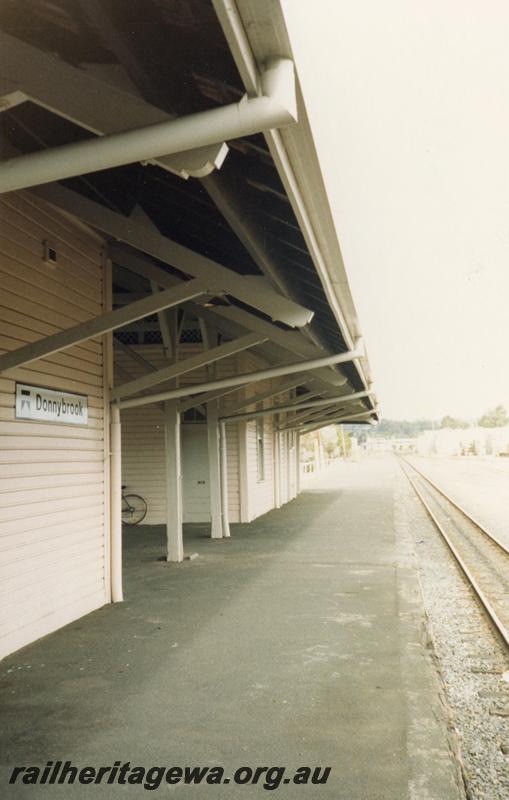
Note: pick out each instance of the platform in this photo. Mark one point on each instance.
(300, 641)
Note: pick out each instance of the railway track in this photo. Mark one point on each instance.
(483, 559)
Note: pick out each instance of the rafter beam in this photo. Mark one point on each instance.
(318, 415)
(345, 418)
(270, 411)
(103, 323)
(280, 342)
(327, 401)
(140, 327)
(301, 398)
(316, 406)
(286, 386)
(181, 367)
(330, 411)
(290, 340)
(239, 215)
(204, 397)
(293, 341)
(165, 326)
(123, 373)
(332, 402)
(220, 188)
(247, 377)
(134, 355)
(274, 108)
(252, 290)
(231, 317)
(313, 413)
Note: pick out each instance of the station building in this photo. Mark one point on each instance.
(174, 308)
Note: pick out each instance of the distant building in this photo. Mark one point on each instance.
(381, 444)
(474, 441)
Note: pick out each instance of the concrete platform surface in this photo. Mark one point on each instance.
(300, 641)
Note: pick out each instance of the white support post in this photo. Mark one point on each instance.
(297, 460)
(244, 485)
(225, 521)
(116, 505)
(108, 374)
(288, 437)
(277, 466)
(216, 531)
(174, 530)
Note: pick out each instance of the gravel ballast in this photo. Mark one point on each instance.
(473, 663)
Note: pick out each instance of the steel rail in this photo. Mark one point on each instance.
(501, 629)
(494, 539)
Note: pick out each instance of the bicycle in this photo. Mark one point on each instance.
(134, 508)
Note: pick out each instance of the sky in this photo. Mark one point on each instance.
(409, 106)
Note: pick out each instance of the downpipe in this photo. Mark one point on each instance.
(275, 108)
(117, 595)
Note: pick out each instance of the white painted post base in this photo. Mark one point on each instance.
(174, 530)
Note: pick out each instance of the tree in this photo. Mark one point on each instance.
(452, 422)
(391, 428)
(344, 441)
(496, 418)
(329, 439)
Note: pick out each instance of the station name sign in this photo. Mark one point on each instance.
(48, 405)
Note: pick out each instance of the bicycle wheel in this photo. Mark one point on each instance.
(134, 509)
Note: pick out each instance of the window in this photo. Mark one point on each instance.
(260, 448)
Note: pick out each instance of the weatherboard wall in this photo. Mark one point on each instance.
(53, 535)
(261, 493)
(143, 446)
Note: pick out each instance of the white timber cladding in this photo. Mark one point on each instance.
(143, 457)
(143, 463)
(53, 528)
(292, 465)
(287, 464)
(260, 495)
(283, 466)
